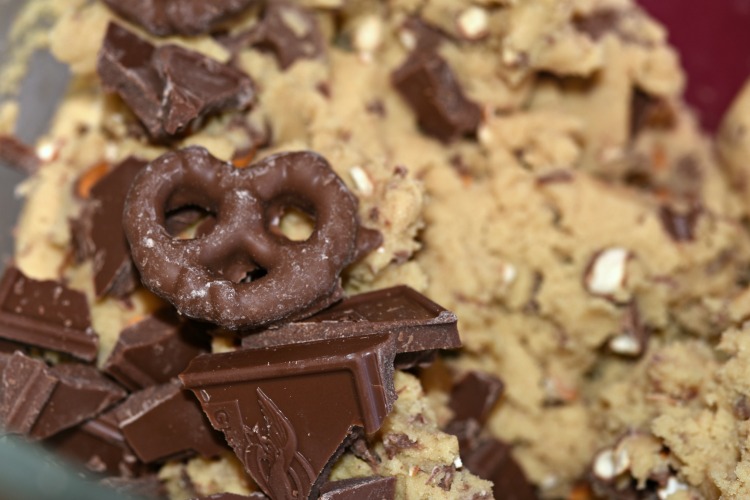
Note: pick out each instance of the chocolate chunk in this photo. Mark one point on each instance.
(417, 324)
(421, 34)
(164, 422)
(431, 89)
(17, 155)
(396, 442)
(46, 314)
(680, 225)
(40, 401)
(598, 23)
(491, 459)
(634, 335)
(245, 273)
(360, 488)
(647, 111)
(99, 446)
(114, 273)
(287, 30)
(169, 88)
(155, 350)
(289, 411)
(474, 395)
(178, 17)
(26, 386)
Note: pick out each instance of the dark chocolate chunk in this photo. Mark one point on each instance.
(46, 314)
(431, 89)
(165, 421)
(289, 411)
(360, 488)
(17, 155)
(99, 446)
(647, 111)
(491, 459)
(634, 335)
(169, 88)
(245, 273)
(680, 225)
(417, 323)
(289, 31)
(442, 476)
(395, 442)
(426, 36)
(114, 273)
(40, 401)
(26, 386)
(474, 395)
(178, 17)
(598, 23)
(155, 350)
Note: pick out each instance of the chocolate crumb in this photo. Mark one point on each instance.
(598, 23)
(680, 225)
(395, 442)
(17, 155)
(442, 476)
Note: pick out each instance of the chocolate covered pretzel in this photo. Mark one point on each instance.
(241, 271)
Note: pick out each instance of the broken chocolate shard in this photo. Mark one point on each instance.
(491, 459)
(46, 314)
(647, 111)
(82, 392)
(421, 35)
(290, 32)
(360, 488)
(165, 421)
(256, 495)
(17, 155)
(40, 401)
(169, 88)
(296, 407)
(155, 350)
(474, 396)
(26, 386)
(429, 86)
(417, 324)
(178, 17)
(114, 272)
(99, 446)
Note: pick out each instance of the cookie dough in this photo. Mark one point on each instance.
(585, 231)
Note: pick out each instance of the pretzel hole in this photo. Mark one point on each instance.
(239, 268)
(189, 222)
(293, 223)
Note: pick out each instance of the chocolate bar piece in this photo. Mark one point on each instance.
(160, 84)
(433, 92)
(289, 411)
(46, 314)
(360, 488)
(155, 350)
(183, 17)
(491, 459)
(99, 446)
(40, 401)
(417, 323)
(234, 496)
(474, 395)
(165, 421)
(290, 32)
(114, 272)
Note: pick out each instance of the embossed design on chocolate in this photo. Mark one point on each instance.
(325, 391)
(160, 84)
(183, 17)
(244, 272)
(272, 453)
